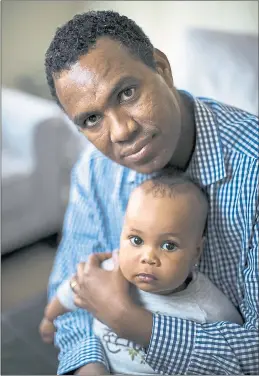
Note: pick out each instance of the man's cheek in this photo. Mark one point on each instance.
(101, 142)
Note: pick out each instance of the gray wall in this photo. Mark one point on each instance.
(27, 29)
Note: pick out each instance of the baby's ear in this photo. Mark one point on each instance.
(200, 247)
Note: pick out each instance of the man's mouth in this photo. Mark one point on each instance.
(139, 151)
(147, 278)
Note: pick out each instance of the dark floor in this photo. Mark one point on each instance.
(25, 272)
(24, 281)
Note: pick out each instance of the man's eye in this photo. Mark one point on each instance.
(91, 121)
(169, 246)
(127, 94)
(136, 241)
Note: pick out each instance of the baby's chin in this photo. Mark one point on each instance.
(153, 289)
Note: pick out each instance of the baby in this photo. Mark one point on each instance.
(161, 241)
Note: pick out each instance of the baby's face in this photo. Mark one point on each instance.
(160, 241)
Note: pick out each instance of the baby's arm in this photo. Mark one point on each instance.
(59, 305)
(51, 312)
(54, 309)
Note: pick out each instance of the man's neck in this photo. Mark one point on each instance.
(186, 144)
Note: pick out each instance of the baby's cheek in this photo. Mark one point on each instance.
(175, 272)
(180, 274)
(125, 266)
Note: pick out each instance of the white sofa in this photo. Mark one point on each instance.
(39, 148)
(222, 65)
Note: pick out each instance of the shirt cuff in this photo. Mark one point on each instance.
(171, 345)
(87, 351)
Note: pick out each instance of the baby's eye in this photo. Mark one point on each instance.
(136, 241)
(169, 246)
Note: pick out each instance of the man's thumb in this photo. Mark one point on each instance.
(115, 259)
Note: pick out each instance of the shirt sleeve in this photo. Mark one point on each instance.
(81, 237)
(180, 346)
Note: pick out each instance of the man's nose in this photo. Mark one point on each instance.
(122, 127)
(150, 257)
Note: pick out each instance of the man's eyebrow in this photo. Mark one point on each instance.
(122, 81)
(116, 88)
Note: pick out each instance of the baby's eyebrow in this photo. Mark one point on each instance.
(177, 234)
(136, 230)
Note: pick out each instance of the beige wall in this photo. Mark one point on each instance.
(166, 22)
(174, 16)
(27, 29)
(28, 26)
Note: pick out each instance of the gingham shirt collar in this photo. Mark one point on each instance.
(207, 163)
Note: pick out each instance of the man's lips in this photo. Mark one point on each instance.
(144, 277)
(140, 150)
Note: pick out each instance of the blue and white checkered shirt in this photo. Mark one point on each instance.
(225, 164)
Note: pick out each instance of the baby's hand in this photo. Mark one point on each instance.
(47, 330)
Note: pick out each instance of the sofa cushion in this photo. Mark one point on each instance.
(17, 184)
(21, 112)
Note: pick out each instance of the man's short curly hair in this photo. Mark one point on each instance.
(77, 36)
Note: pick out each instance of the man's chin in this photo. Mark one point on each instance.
(150, 167)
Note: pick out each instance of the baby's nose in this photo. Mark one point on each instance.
(150, 257)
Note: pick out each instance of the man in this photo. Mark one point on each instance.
(105, 74)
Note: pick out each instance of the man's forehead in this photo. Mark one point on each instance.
(96, 72)
(107, 59)
(79, 74)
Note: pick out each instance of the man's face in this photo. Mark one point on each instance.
(160, 241)
(126, 109)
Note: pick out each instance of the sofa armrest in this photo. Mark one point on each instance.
(21, 114)
(56, 148)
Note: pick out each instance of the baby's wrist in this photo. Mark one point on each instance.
(47, 315)
(48, 319)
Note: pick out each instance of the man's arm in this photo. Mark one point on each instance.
(78, 345)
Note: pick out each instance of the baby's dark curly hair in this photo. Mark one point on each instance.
(77, 36)
(170, 182)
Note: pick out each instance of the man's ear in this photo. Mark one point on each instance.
(163, 67)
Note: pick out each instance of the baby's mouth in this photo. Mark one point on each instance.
(147, 278)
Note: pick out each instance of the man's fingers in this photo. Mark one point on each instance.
(78, 301)
(97, 258)
(115, 258)
(80, 272)
(74, 284)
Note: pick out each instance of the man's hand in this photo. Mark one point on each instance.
(106, 295)
(92, 369)
(101, 292)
